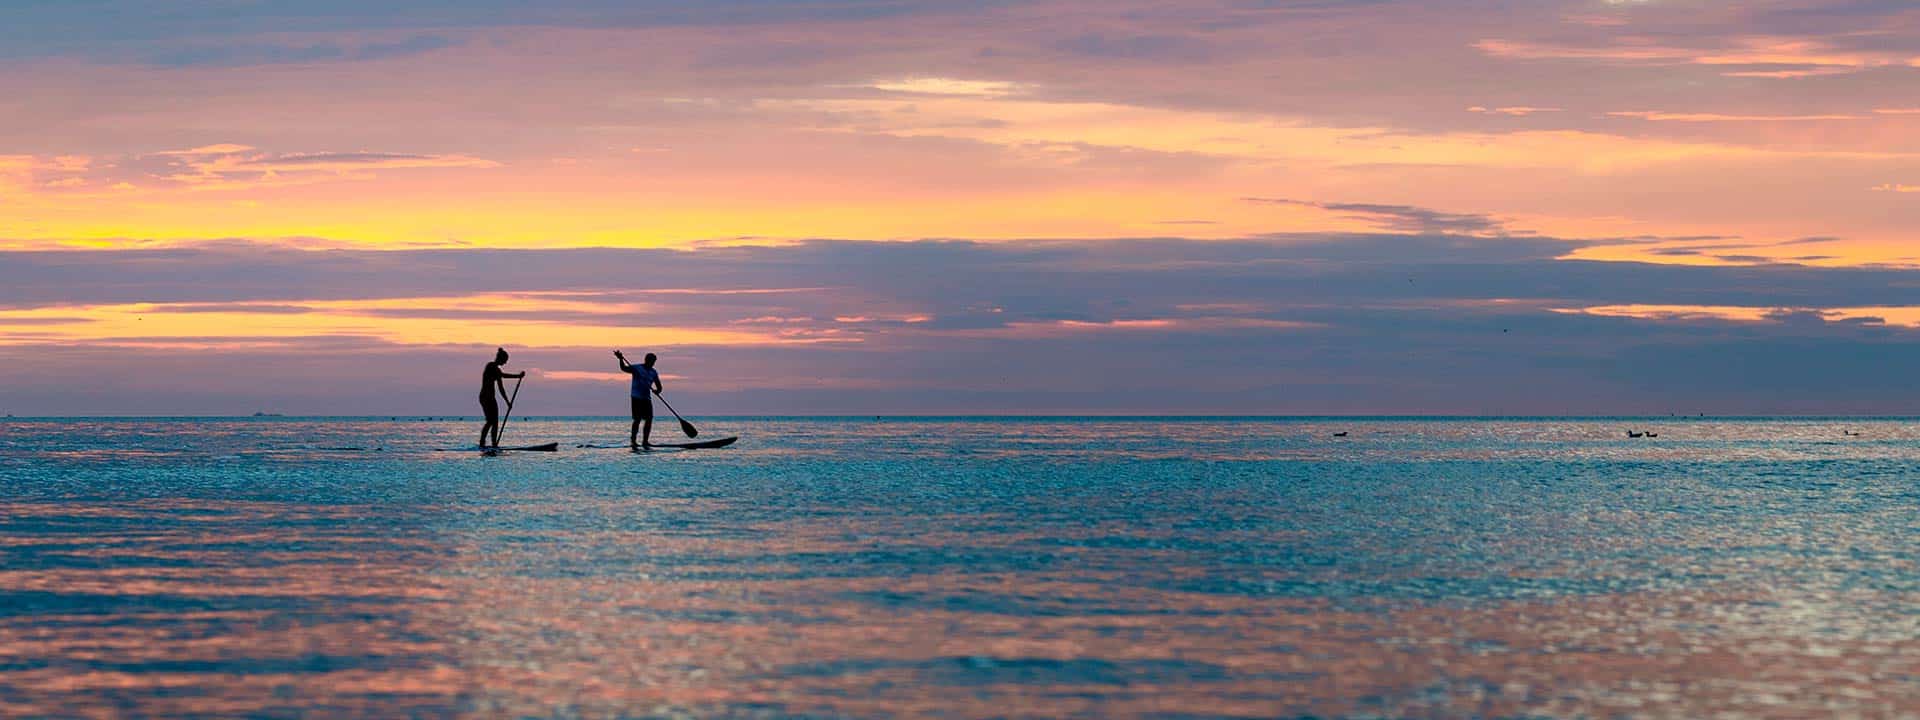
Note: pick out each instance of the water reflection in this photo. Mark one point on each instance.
(956, 569)
(196, 607)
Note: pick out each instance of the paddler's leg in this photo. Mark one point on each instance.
(490, 430)
(646, 426)
(634, 431)
(496, 425)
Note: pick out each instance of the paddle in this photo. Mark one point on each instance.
(502, 427)
(685, 426)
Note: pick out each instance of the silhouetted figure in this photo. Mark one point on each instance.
(646, 381)
(492, 381)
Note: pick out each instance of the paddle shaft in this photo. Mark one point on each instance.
(685, 426)
(502, 427)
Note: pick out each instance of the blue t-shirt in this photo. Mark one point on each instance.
(643, 379)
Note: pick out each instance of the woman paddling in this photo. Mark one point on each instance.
(491, 381)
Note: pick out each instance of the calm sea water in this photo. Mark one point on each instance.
(962, 568)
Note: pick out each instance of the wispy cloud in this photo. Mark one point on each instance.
(351, 161)
(205, 150)
(233, 166)
(1749, 56)
(1663, 116)
(1513, 110)
(1789, 73)
(1403, 218)
(950, 86)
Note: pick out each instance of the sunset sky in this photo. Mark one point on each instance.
(963, 206)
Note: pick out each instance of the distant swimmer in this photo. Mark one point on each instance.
(490, 383)
(646, 380)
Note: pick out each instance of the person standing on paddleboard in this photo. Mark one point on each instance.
(492, 381)
(646, 380)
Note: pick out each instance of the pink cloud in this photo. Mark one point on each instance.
(1662, 116)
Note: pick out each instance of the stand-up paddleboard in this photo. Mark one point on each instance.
(702, 445)
(549, 447)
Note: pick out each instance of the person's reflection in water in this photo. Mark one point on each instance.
(491, 381)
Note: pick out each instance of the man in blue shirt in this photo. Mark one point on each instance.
(646, 380)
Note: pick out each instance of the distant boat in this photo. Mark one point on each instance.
(1633, 434)
(1342, 433)
(267, 414)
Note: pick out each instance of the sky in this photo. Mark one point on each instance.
(964, 206)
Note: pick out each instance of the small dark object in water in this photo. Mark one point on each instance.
(1342, 433)
(1633, 434)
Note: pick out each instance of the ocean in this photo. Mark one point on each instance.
(962, 568)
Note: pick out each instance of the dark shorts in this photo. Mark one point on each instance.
(490, 406)
(642, 408)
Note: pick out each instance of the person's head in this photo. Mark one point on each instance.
(500, 356)
(649, 361)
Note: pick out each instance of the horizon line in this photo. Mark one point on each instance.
(964, 416)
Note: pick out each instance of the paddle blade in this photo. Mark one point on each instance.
(688, 428)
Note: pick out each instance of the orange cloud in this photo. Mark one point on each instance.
(483, 319)
(1790, 74)
(1903, 316)
(218, 149)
